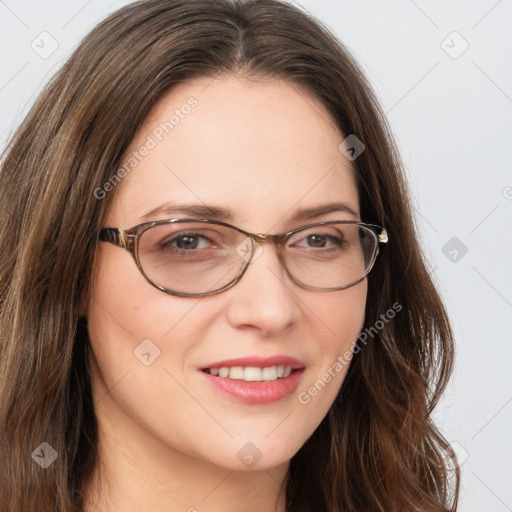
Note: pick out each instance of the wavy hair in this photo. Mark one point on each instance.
(378, 448)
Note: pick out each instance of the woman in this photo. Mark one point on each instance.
(160, 349)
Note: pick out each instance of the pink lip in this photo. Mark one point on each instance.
(253, 393)
(258, 362)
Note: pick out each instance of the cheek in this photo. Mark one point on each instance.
(136, 334)
(128, 318)
(123, 298)
(336, 320)
(339, 316)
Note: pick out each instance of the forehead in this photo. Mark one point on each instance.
(260, 148)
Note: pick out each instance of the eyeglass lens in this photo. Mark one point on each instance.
(198, 258)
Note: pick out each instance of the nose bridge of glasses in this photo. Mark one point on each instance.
(259, 238)
(257, 242)
(275, 239)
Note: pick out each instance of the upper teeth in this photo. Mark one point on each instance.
(251, 373)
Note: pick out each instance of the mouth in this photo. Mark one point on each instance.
(255, 380)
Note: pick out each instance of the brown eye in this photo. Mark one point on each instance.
(187, 241)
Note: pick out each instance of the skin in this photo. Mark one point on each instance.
(167, 440)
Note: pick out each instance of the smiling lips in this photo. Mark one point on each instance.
(255, 380)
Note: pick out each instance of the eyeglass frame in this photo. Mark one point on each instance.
(129, 239)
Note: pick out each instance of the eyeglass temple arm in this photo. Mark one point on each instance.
(383, 236)
(114, 236)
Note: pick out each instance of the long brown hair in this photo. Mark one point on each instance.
(378, 448)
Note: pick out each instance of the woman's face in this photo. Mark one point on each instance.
(263, 150)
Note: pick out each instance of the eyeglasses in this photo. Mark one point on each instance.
(198, 257)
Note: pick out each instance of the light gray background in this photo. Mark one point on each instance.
(451, 111)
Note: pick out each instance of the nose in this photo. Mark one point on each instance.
(265, 297)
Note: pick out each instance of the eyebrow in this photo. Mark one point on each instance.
(204, 211)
